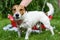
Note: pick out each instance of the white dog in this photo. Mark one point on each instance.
(30, 18)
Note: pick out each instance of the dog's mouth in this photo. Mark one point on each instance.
(17, 17)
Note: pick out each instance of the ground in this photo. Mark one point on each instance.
(45, 35)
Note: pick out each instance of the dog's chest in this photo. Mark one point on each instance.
(19, 22)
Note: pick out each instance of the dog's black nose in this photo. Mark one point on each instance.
(17, 15)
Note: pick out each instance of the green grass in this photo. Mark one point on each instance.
(45, 35)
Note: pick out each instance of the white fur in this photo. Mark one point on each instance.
(51, 9)
(31, 18)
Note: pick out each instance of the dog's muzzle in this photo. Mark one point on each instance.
(17, 16)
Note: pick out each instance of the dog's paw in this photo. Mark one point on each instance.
(53, 34)
(26, 39)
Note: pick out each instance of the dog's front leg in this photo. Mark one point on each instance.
(19, 32)
(27, 33)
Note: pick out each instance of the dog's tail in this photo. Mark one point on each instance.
(51, 9)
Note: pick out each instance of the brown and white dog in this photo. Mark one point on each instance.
(30, 18)
(18, 11)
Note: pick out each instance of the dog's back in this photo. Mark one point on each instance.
(35, 16)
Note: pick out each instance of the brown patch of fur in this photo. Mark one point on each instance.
(18, 8)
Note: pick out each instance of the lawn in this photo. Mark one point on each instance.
(45, 35)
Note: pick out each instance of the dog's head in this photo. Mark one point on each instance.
(18, 11)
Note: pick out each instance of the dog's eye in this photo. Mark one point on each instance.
(21, 9)
(14, 9)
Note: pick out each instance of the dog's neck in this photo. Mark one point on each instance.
(24, 14)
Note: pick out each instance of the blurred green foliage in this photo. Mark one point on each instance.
(6, 5)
